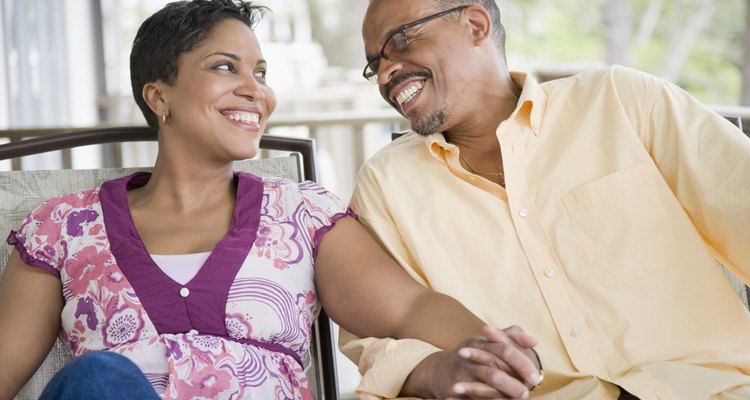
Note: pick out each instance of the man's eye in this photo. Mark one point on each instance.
(400, 41)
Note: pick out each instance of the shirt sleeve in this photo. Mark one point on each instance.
(324, 208)
(384, 364)
(38, 239)
(706, 161)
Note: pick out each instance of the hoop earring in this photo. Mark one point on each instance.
(164, 117)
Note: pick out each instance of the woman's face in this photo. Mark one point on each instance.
(220, 103)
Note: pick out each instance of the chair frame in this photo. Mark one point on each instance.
(326, 355)
(122, 134)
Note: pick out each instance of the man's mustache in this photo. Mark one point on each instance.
(398, 79)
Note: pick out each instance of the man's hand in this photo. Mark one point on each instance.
(498, 365)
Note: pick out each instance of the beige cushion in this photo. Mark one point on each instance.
(22, 191)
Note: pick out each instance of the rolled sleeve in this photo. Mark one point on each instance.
(384, 363)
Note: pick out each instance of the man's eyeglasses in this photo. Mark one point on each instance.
(400, 42)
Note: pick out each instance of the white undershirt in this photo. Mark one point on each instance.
(181, 267)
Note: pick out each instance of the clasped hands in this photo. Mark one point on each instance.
(501, 364)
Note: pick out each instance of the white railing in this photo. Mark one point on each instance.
(344, 140)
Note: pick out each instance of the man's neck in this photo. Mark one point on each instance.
(480, 134)
(478, 142)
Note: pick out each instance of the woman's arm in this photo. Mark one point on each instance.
(368, 294)
(30, 306)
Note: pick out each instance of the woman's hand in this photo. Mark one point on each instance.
(367, 293)
(498, 365)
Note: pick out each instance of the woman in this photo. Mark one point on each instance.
(201, 276)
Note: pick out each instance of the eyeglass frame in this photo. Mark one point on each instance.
(373, 76)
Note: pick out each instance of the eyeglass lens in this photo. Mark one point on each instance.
(399, 42)
(395, 43)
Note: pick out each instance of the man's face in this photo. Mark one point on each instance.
(418, 70)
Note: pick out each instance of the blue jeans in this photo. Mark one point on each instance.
(99, 375)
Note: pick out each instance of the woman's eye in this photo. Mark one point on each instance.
(261, 74)
(224, 67)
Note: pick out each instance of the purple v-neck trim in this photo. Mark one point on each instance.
(204, 308)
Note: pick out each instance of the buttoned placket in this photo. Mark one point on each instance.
(550, 277)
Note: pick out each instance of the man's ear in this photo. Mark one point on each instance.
(154, 95)
(479, 23)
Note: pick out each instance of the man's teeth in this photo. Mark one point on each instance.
(245, 117)
(408, 93)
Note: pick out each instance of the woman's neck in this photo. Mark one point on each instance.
(185, 187)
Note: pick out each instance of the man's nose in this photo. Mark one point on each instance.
(387, 68)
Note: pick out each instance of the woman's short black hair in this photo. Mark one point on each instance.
(174, 30)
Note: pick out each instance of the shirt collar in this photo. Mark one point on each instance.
(532, 102)
(529, 111)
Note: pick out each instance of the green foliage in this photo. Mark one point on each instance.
(554, 32)
(549, 33)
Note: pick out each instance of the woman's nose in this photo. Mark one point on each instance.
(250, 88)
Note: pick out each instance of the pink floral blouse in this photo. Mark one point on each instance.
(239, 329)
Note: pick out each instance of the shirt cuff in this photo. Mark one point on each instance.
(386, 363)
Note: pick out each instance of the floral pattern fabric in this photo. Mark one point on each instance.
(240, 329)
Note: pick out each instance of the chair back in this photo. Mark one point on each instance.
(22, 191)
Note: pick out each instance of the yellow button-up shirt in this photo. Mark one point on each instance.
(621, 193)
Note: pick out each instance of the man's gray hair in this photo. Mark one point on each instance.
(498, 31)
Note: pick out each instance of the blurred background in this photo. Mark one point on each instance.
(64, 64)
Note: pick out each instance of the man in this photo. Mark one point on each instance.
(589, 211)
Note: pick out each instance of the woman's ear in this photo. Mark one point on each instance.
(479, 23)
(153, 94)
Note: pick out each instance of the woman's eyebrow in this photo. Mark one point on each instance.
(225, 54)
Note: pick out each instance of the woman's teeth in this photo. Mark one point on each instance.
(245, 117)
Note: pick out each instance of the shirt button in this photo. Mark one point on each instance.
(575, 333)
(184, 292)
(523, 213)
(549, 272)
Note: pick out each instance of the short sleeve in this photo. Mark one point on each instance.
(324, 208)
(38, 239)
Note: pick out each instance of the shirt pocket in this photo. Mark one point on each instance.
(621, 224)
